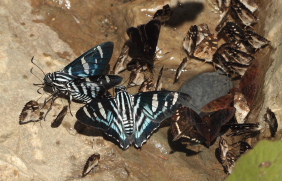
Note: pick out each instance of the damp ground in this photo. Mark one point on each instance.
(56, 32)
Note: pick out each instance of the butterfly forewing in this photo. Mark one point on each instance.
(91, 63)
(152, 32)
(245, 15)
(219, 103)
(189, 42)
(151, 109)
(255, 40)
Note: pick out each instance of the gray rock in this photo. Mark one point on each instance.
(206, 87)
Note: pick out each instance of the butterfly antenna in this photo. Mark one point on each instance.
(37, 66)
(36, 77)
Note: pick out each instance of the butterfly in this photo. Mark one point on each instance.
(242, 9)
(183, 128)
(207, 126)
(31, 113)
(58, 120)
(246, 16)
(271, 119)
(148, 84)
(200, 43)
(131, 119)
(223, 149)
(230, 59)
(83, 80)
(90, 164)
(249, 39)
(145, 37)
(179, 70)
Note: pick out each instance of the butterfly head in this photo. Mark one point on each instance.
(49, 83)
(48, 79)
(120, 89)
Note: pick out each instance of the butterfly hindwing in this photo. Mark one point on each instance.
(104, 115)
(91, 63)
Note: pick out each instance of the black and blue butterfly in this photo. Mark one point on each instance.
(83, 79)
(131, 119)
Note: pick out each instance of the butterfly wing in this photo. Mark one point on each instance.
(58, 120)
(30, 113)
(243, 13)
(189, 42)
(135, 37)
(93, 62)
(219, 103)
(151, 108)
(105, 116)
(219, 119)
(151, 36)
(183, 128)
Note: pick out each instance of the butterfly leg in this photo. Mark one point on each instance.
(69, 101)
(53, 98)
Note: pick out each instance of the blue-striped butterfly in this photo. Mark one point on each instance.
(131, 119)
(83, 80)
